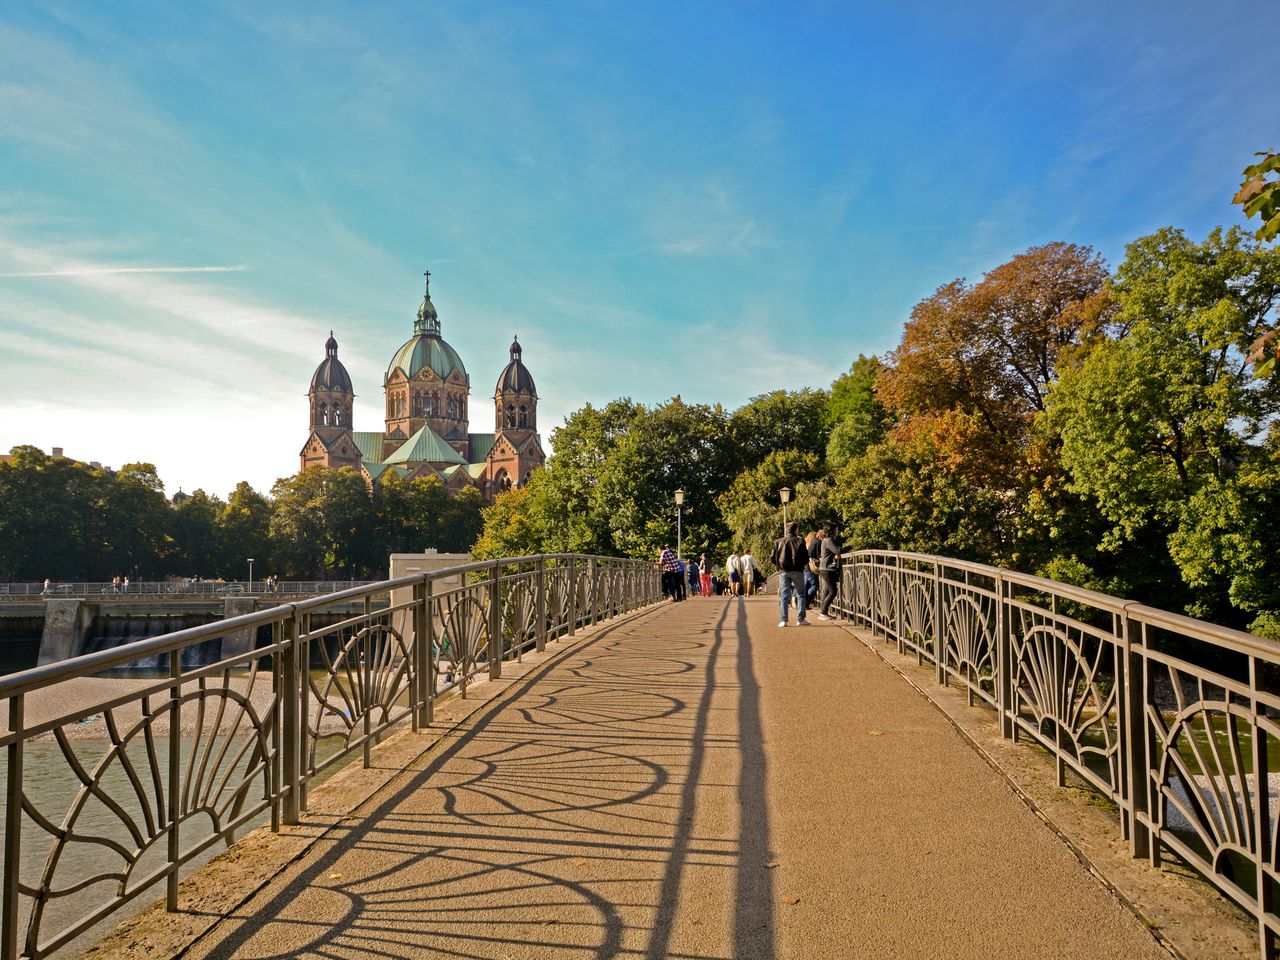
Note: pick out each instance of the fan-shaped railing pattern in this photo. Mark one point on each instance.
(1173, 719)
(155, 768)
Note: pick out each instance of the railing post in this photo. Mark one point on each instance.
(540, 610)
(897, 607)
(572, 588)
(1005, 690)
(1266, 903)
(593, 578)
(425, 642)
(495, 622)
(290, 721)
(1133, 741)
(939, 658)
(13, 829)
(175, 779)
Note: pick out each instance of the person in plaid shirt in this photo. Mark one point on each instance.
(670, 574)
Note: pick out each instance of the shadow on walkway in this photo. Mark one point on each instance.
(612, 803)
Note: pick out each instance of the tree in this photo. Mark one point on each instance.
(857, 417)
(199, 545)
(780, 420)
(1161, 422)
(321, 522)
(245, 528)
(992, 350)
(1259, 195)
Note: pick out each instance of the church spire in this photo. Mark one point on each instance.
(428, 321)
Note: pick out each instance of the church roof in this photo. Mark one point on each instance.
(427, 445)
(427, 350)
(515, 377)
(477, 470)
(331, 374)
(369, 445)
(480, 444)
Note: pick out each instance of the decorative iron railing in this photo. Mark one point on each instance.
(124, 767)
(175, 589)
(1173, 719)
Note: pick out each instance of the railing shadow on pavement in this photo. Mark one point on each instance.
(1173, 719)
(163, 759)
(510, 818)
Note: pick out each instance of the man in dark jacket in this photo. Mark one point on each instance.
(829, 568)
(791, 557)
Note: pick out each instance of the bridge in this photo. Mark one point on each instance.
(571, 769)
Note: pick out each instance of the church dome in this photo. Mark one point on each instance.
(423, 351)
(426, 349)
(331, 374)
(515, 376)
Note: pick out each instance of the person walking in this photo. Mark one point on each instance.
(733, 570)
(749, 570)
(829, 568)
(695, 578)
(704, 569)
(812, 543)
(670, 567)
(791, 558)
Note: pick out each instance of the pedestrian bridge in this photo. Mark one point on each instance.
(584, 772)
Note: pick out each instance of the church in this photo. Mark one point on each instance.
(426, 394)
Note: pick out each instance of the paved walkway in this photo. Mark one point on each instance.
(694, 783)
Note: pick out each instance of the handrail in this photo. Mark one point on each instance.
(1121, 694)
(248, 730)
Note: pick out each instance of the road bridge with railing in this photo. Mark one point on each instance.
(585, 771)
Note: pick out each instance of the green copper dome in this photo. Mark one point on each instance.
(427, 348)
(423, 351)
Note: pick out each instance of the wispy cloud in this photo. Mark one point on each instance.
(112, 271)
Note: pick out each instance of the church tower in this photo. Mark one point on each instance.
(426, 385)
(331, 398)
(516, 451)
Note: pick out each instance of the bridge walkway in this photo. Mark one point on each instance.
(692, 783)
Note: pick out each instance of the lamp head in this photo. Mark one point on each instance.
(785, 493)
(679, 497)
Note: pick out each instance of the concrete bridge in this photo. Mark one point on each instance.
(587, 773)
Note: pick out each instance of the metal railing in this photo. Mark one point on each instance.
(209, 589)
(1173, 719)
(174, 749)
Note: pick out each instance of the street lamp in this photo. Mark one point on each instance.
(679, 519)
(785, 493)
(251, 574)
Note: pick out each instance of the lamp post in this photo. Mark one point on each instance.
(679, 520)
(250, 574)
(785, 494)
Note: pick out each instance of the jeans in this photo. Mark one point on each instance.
(791, 581)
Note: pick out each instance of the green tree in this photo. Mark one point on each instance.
(199, 546)
(1161, 421)
(780, 420)
(51, 521)
(320, 524)
(244, 531)
(858, 418)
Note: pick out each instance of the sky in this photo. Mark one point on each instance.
(713, 199)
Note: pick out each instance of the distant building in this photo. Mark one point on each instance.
(426, 391)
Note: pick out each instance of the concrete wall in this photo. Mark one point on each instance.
(66, 625)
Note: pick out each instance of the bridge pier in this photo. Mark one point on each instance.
(66, 626)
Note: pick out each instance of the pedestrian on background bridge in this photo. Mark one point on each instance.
(791, 558)
(704, 570)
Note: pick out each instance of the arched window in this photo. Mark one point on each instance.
(524, 415)
(322, 415)
(511, 415)
(453, 408)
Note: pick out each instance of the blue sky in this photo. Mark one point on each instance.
(706, 199)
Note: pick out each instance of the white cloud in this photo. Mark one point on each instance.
(102, 271)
